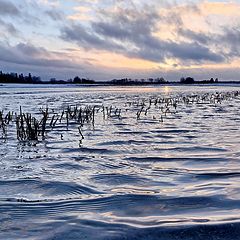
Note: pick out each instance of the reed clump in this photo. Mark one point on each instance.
(168, 105)
(5, 120)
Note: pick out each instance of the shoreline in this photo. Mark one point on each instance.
(125, 84)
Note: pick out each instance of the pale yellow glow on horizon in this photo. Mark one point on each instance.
(113, 60)
(118, 61)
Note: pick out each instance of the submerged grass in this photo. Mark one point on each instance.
(31, 128)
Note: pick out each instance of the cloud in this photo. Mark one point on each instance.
(230, 41)
(226, 42)
(82, 13)
(199, 37)
(221, 8)
(88, 39)
(29, 55)
(8, 27)
(52, 3)
(8, 9)
(131, 32)
(55, 15)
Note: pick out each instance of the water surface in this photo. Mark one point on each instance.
(129, 179)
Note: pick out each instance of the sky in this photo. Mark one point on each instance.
(107, 39)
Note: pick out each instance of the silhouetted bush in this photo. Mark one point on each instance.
(82, 80)
(188, 80)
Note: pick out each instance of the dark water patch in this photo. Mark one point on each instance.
(131, 132)
(125, 142)
(234, 119)
(190, 137)
(27, 188)
(172, 159)
(228, 231)
(69, 166)
(220, 110)
(63, 188)
(174, 131)
(217, 175)
(118, 179)
(198, 149)
(120, 124)
(168, 172)
(82, 158)
(163, 136)
(89, 150)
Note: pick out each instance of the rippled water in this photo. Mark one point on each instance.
(130, 179)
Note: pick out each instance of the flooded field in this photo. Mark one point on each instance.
(141, 167)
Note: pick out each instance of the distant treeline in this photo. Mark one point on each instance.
(20, 78)
(129, 81)
(190, 80)
(76, 80)
(187, 80)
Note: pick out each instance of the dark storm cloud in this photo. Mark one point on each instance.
(226, 42)
(109, 30)
(198, 37)
(133, 21)
(27, 54)
(130, 32)
(8, 8)
(88, 39)
(193, 51)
